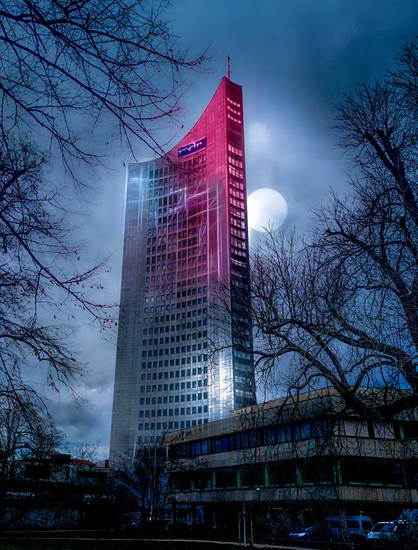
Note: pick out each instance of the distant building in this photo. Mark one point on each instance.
(298, 460)
(186, 239)
(56, 491)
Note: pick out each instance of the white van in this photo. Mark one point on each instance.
(349, 527)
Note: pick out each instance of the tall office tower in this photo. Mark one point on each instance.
(186, 239)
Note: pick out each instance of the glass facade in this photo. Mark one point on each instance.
(186, 241)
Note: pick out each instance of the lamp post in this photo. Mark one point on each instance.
(255, 509)
(244, 525)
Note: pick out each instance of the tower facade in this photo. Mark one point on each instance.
(185, 284)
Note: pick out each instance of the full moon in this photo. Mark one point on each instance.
(267, 208)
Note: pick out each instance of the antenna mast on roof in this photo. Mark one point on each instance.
(229, 67)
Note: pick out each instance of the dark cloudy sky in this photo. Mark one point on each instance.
(295, 59)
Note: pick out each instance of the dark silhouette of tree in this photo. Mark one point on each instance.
(70, 62)
(342, 308)
(70, 70)
(143, 483)
(26, 430)
(40, 284)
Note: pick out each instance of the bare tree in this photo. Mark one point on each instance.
(342, 308)
(70, 62)
(66, 66)
(38, 277)
(145, 481)
(26, 430)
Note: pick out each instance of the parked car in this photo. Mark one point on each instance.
(382, 532)
(349, 527)
(396, 532)
(318, 532)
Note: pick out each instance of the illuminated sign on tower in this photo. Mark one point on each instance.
(186, 239)
(194, 147)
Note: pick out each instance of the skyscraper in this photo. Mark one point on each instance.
(185, 253)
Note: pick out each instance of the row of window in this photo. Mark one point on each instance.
(178, 349)
(170, 169)
(156, 279)
(188, 240)
(235, 172)
(174, 259)
(232, 102)
(173, 339)
(171, 351)
(195, 371)
(166, 238)
(171, 221)
(173, 412)
(183, 261)
(236, 202)
(190, 384)
(173, 362)
(233, 111)
(178, 338)
(312, 471)
(170, 297)
(161, 426)
(190, 303)
(176, 317)
(174, 273)
(180, 316)
(238, 213)
(276, 434)
(238, 243)
(184, 315)
(234, 118)
(238, 253)
(238, 263)
(238, 223)
(182, 398)
(235, 184)
(196, 181)
(173, 183)
(152, 413)
(164, 235)
(196, 160)
(170, 231)
(235, 162)
(237, 194)
(281, 433)
(173, 328)
(193, 254)
(238, 233)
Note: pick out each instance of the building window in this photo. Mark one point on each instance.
(252, 475)
(282, 473)
(226, 478)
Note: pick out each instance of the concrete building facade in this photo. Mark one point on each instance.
(298, 459)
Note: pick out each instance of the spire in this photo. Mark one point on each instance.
(229, 67)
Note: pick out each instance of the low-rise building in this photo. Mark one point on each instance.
(295, 459)
(54, 491)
